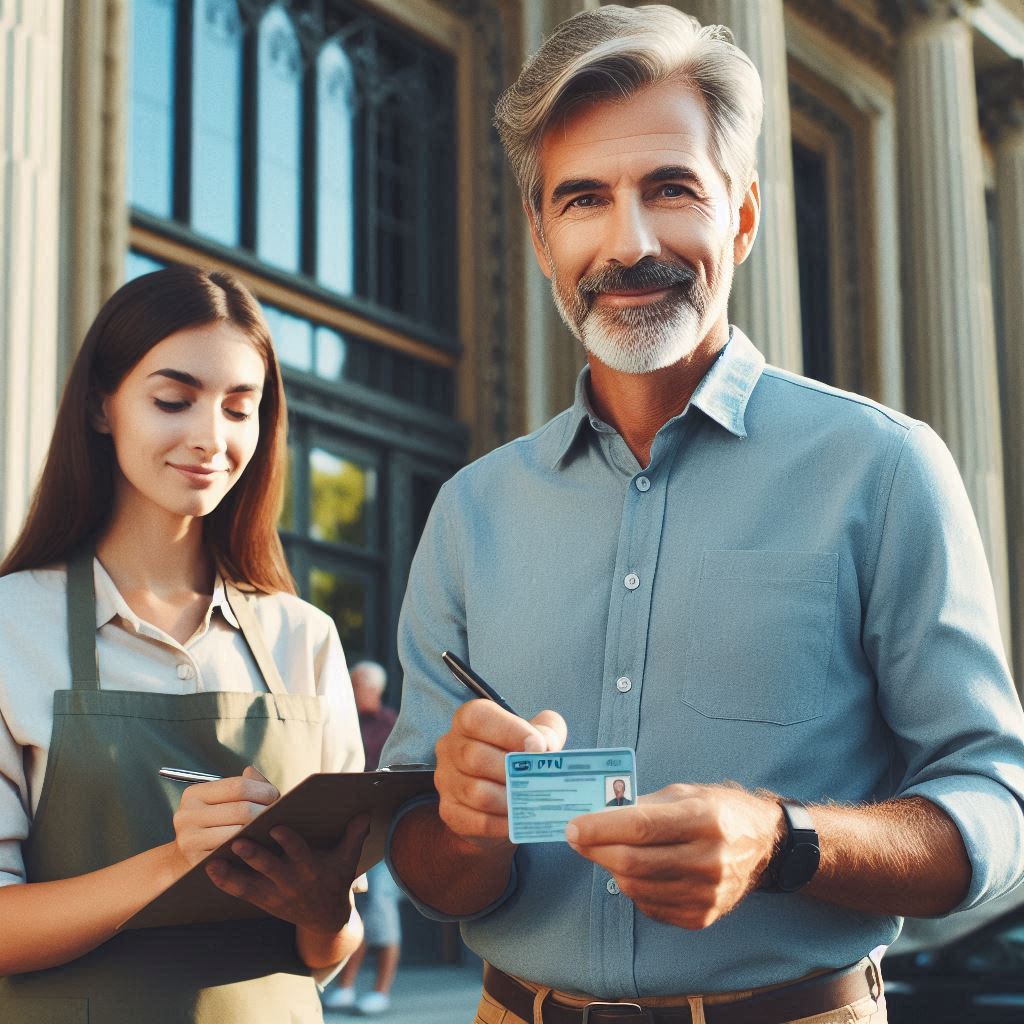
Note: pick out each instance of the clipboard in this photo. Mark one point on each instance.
(318, 808)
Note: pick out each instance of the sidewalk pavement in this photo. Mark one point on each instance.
(436, 994)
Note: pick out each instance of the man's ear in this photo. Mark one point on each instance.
(750, 217)
(97, 405)
(535, 237)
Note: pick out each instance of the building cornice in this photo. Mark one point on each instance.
(855, 28)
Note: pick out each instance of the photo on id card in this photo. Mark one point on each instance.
(546, 791)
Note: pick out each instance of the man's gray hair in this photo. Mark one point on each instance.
(613, 52)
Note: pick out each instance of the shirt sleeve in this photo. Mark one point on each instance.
(14, 818)
(343, 746)
(931, 631)
(433, 620)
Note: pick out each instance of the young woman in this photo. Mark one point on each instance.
(148, 619)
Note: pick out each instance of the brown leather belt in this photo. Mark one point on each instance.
(819, 994)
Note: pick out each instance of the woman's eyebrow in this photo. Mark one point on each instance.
(194, 382)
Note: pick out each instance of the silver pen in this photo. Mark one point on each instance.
(184, 775)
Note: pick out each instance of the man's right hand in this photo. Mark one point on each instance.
(470, 774)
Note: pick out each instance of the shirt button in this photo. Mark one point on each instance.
(623, 684)
(186, 671)
(643, 484)
(632, 581)
(612, 886)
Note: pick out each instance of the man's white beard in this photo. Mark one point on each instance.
(636, 339)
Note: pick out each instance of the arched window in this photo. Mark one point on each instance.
(279, 135)
(216, 120)
(335, 229)
(151, 153)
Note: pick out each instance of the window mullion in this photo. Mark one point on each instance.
(250, 141)
(310, 197)
(182, 201)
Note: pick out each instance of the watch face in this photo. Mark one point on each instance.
(799, 866)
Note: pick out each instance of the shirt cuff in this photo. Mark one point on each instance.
(991, 825)
(425, 909)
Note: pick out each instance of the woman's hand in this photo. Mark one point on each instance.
(210, 813)
(310, 888)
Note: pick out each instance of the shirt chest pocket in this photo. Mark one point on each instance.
(761, 634)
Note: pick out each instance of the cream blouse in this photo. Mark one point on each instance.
(133, 655)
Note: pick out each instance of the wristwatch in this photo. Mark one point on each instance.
(793, 865)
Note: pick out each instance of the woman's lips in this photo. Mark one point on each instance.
(197, 476)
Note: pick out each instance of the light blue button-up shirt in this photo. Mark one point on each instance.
(793, 594)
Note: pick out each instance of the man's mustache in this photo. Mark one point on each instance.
(646, 275)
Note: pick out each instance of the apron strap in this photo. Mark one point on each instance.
(241, 605)
(81, 597)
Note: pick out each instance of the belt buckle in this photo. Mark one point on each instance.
(617, 1010)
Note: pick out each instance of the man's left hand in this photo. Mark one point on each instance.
(687, 854)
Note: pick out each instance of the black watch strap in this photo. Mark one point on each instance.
(796, 861)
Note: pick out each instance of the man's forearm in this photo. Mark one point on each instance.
(899, 857)
(444, 871)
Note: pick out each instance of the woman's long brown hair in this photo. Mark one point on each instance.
(74, 500)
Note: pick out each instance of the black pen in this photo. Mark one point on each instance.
(472, 681)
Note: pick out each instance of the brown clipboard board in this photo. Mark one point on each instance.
(318, 808)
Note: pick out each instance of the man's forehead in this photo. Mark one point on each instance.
(661, 125)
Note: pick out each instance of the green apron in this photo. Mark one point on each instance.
(102, 801)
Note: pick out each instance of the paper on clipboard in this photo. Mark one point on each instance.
(318, 808)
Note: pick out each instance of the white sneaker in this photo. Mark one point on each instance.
(372, 1003)
(338, 998)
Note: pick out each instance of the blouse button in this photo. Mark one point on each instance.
(186, 671)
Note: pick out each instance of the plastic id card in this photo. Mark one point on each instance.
(546, 791)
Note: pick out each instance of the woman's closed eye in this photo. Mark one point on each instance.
(239, 415)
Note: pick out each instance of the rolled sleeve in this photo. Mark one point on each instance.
(424, 908)
(931, 632)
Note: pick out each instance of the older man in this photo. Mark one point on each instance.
(774, 591)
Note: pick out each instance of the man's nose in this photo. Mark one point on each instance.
(631, 234)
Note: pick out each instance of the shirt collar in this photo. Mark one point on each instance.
(724, 392)
(110, 603)
(722, 395)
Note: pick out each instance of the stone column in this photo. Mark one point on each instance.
(1003, 116)
(765, 299)
(31, 45)
(553, 357)
(949, 346)
(95, 233)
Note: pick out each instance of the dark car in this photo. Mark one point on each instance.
(976, 978)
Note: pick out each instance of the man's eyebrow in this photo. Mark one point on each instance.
(673, 172)
(194, 382)
(573, 186)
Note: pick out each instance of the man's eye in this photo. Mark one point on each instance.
(170, 406)
(583, 203)
(675, 191)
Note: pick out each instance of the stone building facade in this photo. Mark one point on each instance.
(889, 260)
